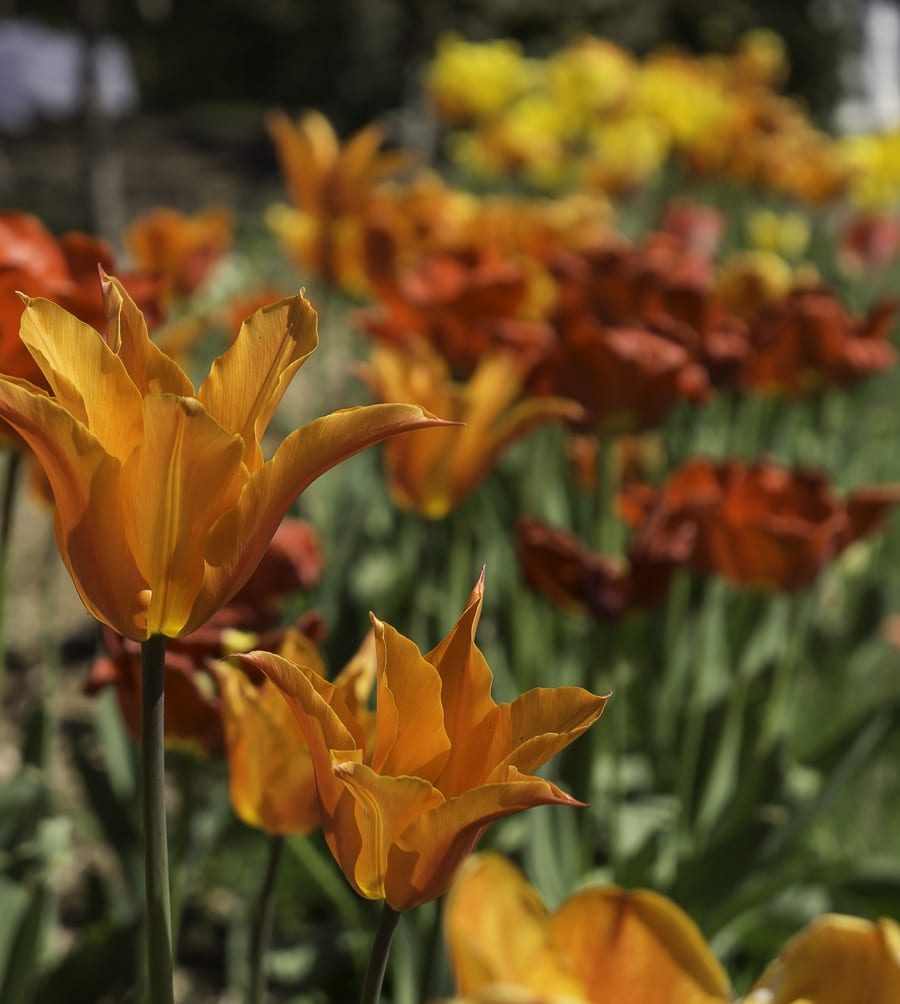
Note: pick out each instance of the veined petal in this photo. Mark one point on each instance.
(86, 376)
(497, 931)
(409, 725)
(169, 507)
(466, 696)
(245, 384)
(385, 806)
(636, 946)
(238, 540)
(88, 519)
(536, 726)
(151, 370)
(425, 856)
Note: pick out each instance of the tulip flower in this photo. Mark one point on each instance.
(835, 960)
(401, 809)
(431, 477)
(165, 503)
(602, 944)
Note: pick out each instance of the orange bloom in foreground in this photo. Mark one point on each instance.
(835, 960)
(603, 944)
(432, 476)
(401, 809)
(164, 501)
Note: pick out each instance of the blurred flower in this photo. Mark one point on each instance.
(272, 780)
(464, 304)
(749, 280)
(431, 476)
(330, 186)
(697, 227)
(835, 960)
(807, 341)
(869, 241)
(786, 234)
(471, 80)
(602, 944)
(183, 249)
(64, 269)
(292, 562)
(402, 808)
(164, 502)
(759, 526)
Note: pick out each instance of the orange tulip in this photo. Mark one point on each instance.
(835, 960)
(602, 944)
(401, 809)
(431, 477)
(273, 783)
(164, 502)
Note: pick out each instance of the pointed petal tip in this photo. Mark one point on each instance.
(24, 297)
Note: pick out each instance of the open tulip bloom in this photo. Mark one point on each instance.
(401, 810)
(164, 502)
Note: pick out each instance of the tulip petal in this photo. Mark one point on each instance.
(536, 726)
(385, 807)
(836, 960)
(151, 370)
(409, 728)
(497, 931)
(168, 505)
(636, 946)
(86, 376)
(466, 682)
(425, 856)
(245, 384)
(272, 781)
(88, 520)
(238, 540)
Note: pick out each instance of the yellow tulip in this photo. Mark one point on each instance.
(602, 944)
(164, 502)
(402, 808)
(835, 960)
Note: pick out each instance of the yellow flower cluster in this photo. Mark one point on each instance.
(873, 160)
(590, 113)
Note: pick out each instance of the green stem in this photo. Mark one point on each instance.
(156, 853)
(13, 466)
(381, 948)
(262, 927)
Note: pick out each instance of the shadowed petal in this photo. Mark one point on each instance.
(86, 376)
(88, 520)
(409, 729)
(168, 505)
(237, 542)
(151, 370)
(245, 384)
(497, 931)
(424, 858)
(536, 726)
(385, 806)
(636, 946)
(270, 769)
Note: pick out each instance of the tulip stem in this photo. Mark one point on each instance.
(156, 852)
(263, 922)
(381, 948)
